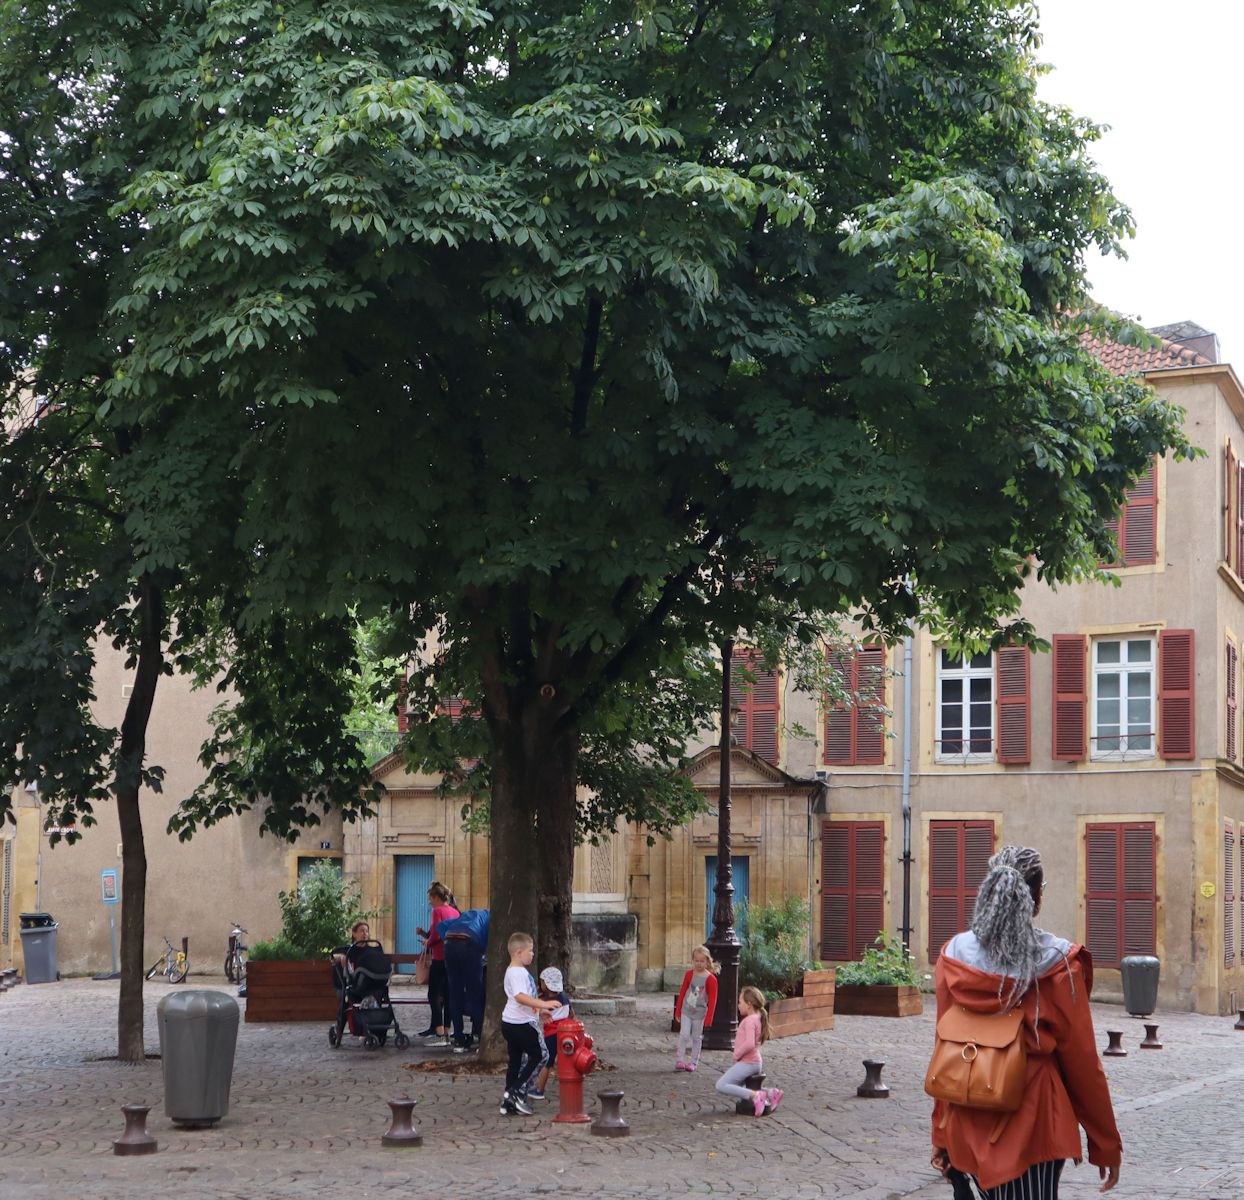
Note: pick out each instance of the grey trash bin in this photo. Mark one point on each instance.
(198, 1036)
(39, 947)
(1140, 983)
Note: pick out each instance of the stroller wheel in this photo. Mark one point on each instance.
(370, 1042)
(334, 1038)
(401, 1041)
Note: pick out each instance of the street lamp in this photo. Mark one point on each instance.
(723, 942)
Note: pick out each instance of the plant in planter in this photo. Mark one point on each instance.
(773, 957)
(882, 984)
(289, 977)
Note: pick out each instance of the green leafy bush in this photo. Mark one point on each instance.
(774, 953)
(316, 916)
(884, 962)
(277, 949)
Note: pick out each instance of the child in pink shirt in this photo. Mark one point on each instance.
(753, 1030)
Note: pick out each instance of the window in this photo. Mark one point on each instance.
(1136, 528)
(1233, 508)
(964, 708)
(1124, 698)
(959, 853)
(852, 887)
(855, 732)
(755, 705)
(1120, 898)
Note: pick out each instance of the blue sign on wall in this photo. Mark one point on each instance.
(110, 886)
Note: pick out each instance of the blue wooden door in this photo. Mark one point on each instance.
(740, 865)
(413, 877)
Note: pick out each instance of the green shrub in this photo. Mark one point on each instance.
(316, 916)
(884, 962)
(278, 949)
(774, 953)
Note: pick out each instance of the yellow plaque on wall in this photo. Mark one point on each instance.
(1208, 889)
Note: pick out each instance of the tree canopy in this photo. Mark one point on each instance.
(584, 333)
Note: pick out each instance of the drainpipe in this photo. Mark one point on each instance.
(905, 928)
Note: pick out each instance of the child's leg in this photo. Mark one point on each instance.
(731, 1083)
(530, 1047)
(685, 1025)
(697, 1040)
(513, 1035)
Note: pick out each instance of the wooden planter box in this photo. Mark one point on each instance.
(811, 1011)
(290, 991)
(878, 1000)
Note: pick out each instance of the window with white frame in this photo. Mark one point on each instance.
(964, 708)
(1124, 698)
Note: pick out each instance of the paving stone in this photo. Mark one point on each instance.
(305, 1121)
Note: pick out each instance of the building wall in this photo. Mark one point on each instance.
(194, 888)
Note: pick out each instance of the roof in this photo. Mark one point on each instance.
(1137, 360)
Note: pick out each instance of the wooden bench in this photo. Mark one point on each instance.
(401, 960)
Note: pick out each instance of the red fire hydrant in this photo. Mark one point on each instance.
(575, 1059)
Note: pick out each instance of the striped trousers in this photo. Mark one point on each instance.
(1039, 1182)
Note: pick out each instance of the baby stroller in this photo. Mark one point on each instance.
(364, 1007)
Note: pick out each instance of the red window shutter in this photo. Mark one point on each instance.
(1101, 897)
(1120, 890)
(1140, 895)
(870, 712)
(1239, 892)
(1231, 505)
(868, 885)
(855, 733)
(959, 853)
(1233, 701)
(1239, 517)
(852, 887)
(1228, 895)
(1138, 538)
(1176, 698)
(403, 712)
(1013, 687)
(835, 891)
(757, 705)
(1070, 717)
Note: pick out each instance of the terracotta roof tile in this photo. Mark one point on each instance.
(1135, 360)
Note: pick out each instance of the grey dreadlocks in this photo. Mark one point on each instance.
(1002, 921)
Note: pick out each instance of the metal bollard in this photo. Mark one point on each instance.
(401, 1131)
(135, 1139)
(1240, 1023)
(1151, 1039)
(745, 1108)
(872, 1088)
(611, 1123)
(1115, 1048)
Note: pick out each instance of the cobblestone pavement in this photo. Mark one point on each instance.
(305, 1121)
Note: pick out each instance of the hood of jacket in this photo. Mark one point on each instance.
(967, 971)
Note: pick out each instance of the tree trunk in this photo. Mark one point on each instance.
(557, 818)
(533, 768)
(133, 750)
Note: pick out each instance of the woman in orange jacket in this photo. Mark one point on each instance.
(1004, 962)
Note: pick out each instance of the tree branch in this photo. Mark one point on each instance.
(587, 375)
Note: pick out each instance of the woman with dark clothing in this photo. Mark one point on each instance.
(1004, 963)
(442, 901)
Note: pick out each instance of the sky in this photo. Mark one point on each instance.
(1166, 79)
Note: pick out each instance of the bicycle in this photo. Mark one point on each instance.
(173, 963)
(235, 956)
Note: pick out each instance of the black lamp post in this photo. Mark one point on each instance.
(723, 943)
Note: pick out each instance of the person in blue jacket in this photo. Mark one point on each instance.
(466, 951)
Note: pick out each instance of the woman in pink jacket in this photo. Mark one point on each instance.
(752, 1032)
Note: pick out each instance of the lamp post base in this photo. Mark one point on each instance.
(720, 1034)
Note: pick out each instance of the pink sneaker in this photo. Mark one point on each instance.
(689, 1067)
(680, 1066)
(775, 1098)
(758, 1102)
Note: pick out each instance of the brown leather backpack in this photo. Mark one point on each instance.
(979, 1060)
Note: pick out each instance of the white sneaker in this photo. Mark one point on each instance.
(521, 1106)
